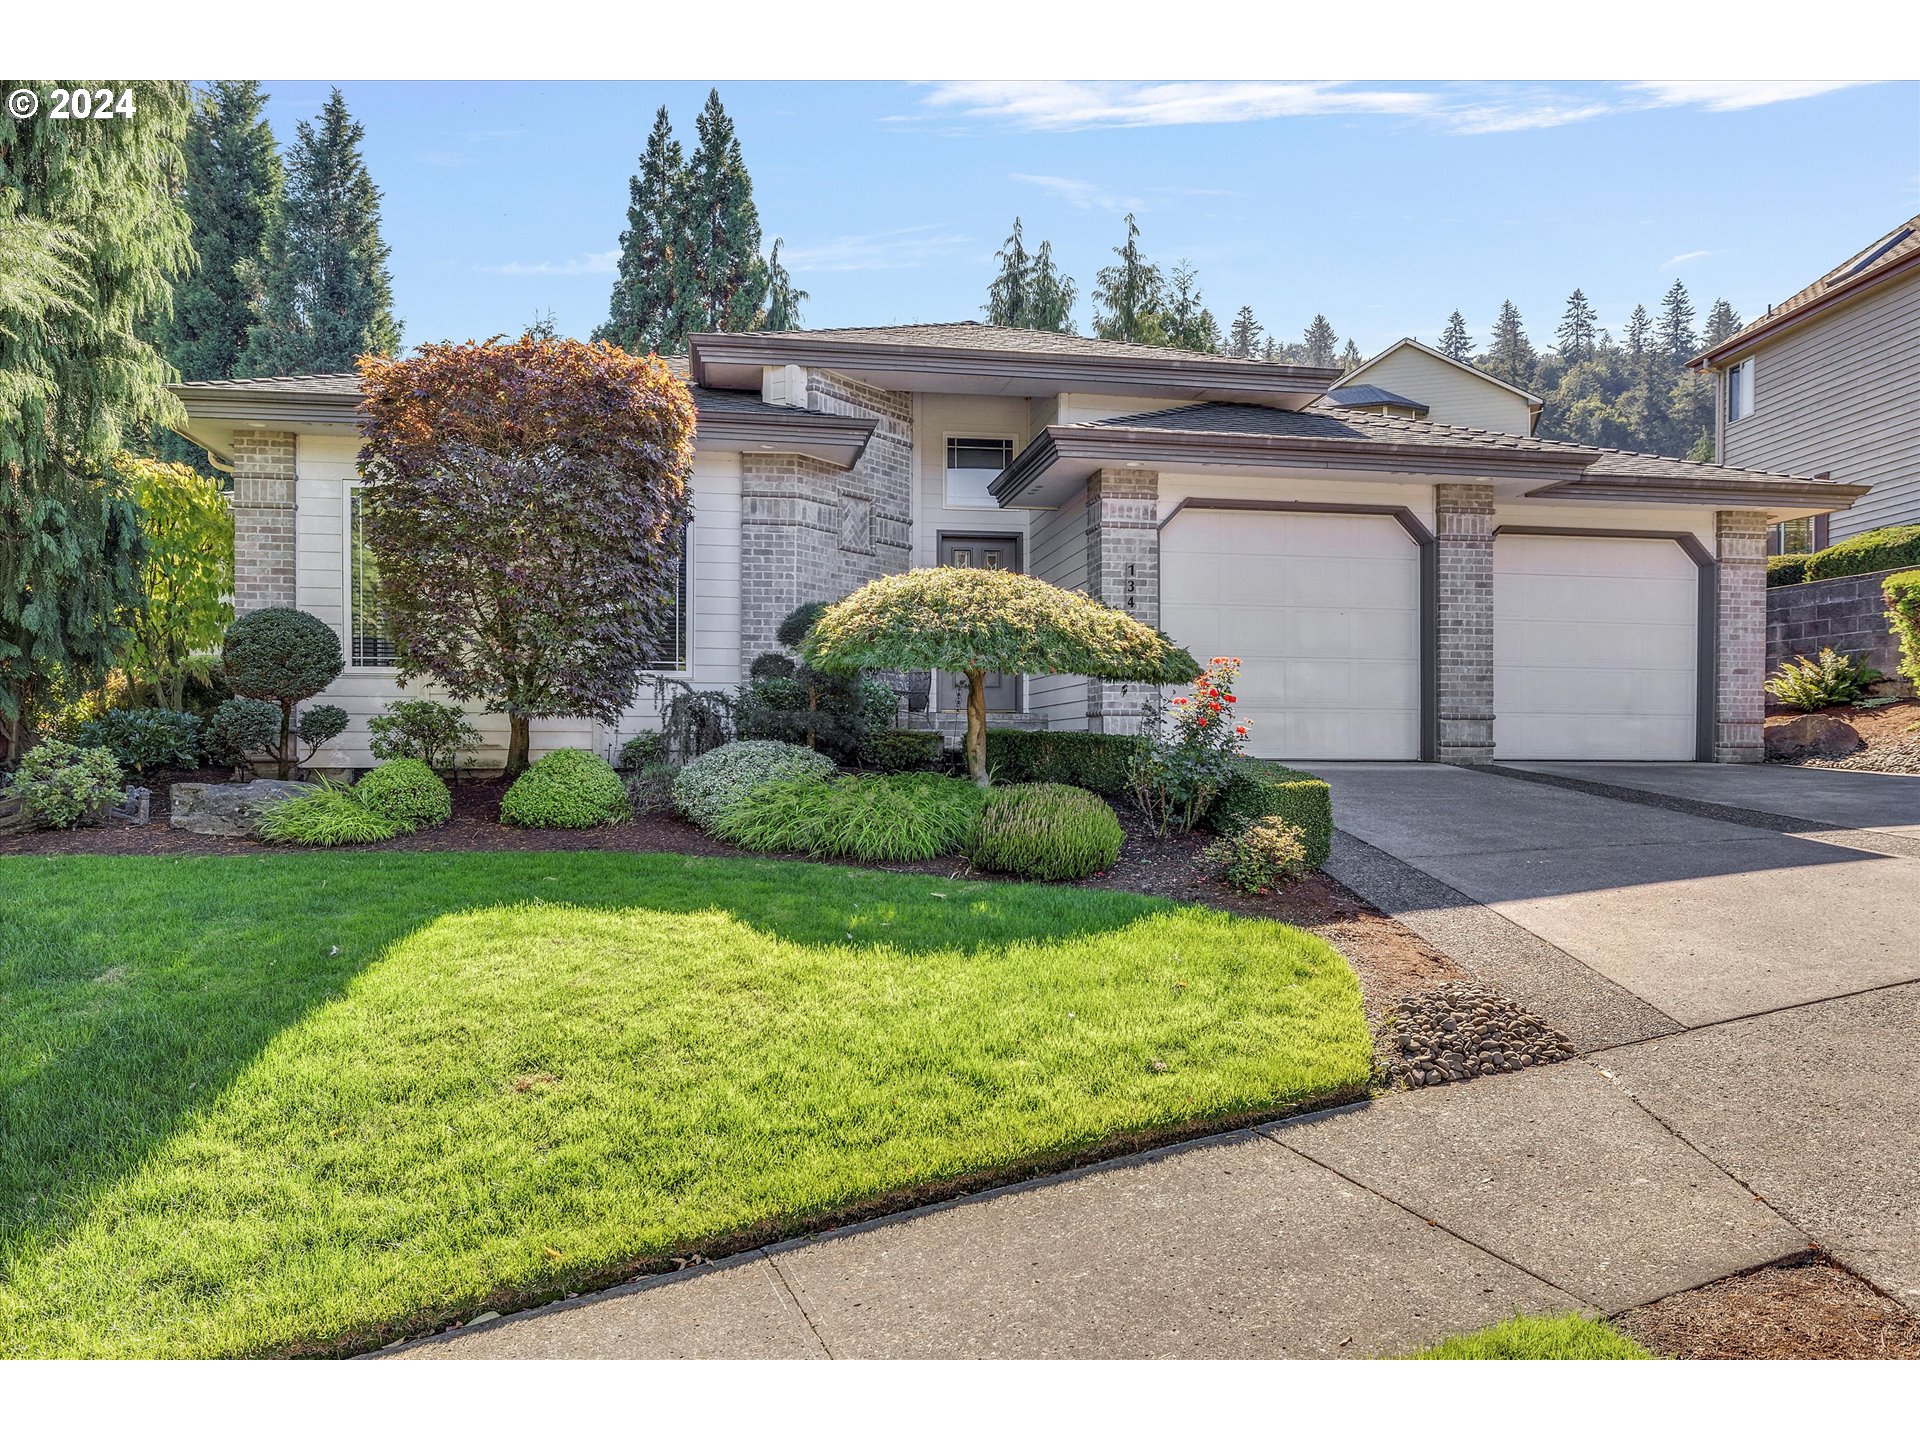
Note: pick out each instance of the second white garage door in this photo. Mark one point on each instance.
(1324, 613)
(1594, 648)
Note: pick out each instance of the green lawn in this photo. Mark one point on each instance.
(306, 1103)
(1540, 1337)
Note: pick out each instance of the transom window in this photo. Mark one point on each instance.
(972, 462)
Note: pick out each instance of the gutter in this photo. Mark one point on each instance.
(1765, 328)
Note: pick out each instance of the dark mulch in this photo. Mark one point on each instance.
(1813, 1310)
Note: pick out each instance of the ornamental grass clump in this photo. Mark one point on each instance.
(566, 790)
(857, 817)
(407, 792)
(332, 815)
(707, 788)
(1046, 832)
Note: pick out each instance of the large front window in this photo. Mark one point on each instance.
(971, 465)
(369, 643)
(670, 649)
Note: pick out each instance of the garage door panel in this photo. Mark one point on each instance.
(1595, 649)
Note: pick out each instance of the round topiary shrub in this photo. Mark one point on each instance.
(406, 792)
(282, 656)
(240, 727)
(1046, 832)
(720, 779)
(565, 790)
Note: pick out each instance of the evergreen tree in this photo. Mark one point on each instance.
(729, 277)
(1723, 321)
(542, 327)
(1320, 343)
(1510, 354)
(783, 299)
(1455, 343)
(232, 195)
(1029, 293)
(654, 305)
(1350, 358)
(1677, 340)
(92, 235)
(328, 296)
(1127, 297)
(1188, 322)
(1243, 339)
(1577, 328)
(1051, 295)
(1639, 335)
(1270, 352)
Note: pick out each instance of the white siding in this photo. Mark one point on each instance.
(1453, 396)
(1841, 393)
(935, 418)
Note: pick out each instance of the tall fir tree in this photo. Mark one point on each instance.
(1188, 322)
(1723, 322)
(1029, 292)
(1639, 335)
(1050, 295)
(783, 297)
(1578, 329)
(654, 306)
(92, 236)
(1455, 342)
(232, 195)
(1320, 343)
(1677, 339)
(1243, 336)
(328, 297)
(1270, 351)
(1509, 353)
(1128, 298)
(729, 277)
(1350, 358)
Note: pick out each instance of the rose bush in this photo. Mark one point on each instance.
(1187, 749)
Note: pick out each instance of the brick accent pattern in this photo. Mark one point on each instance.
(1740, 704)
(1463, 531)
(263, 500)
(1123, 569)
(809, 531)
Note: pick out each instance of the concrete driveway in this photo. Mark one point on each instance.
(1702, 919)
(1837, 799)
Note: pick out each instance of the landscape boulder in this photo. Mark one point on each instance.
(228, 809)
(1826, 736)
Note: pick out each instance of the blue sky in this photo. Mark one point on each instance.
(1382, 205)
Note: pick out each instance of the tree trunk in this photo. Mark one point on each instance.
(285, 757)
(519, 739)
(977, 726)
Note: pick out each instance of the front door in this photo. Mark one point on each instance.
(992, 552)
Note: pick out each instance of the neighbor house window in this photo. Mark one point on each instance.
(369, 643)
(670, 651)
(1740, 390)
(971, 467)
(1796, 537)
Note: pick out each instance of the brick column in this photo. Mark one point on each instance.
(1740, 705)
(1123, 569)
(1463, 532)
(263, 491)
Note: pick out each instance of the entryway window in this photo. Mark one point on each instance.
(972, 463)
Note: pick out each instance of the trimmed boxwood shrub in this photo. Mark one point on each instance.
(900, 751)
(1258, 789)
(406, 792)
(60, 785)
(240, 727)
(706, 788)
(565, 790)
(857, 817)
(1786, 569)
(284, 656)
(1902, 594)
(143, 740)
(1265, 854)
(1046, 832)
(1099, 763)
(649, 747)
(332, 815)
(1885, 549)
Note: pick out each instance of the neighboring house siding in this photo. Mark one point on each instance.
(1452, 396)
(1841, 393)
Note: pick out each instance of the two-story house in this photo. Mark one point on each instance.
(1828, 382)
(1399, 583)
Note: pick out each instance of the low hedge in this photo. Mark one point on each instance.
(1786, 569)
(1258, 789)
(1890, 548)
(1045, 832)
(1064, 757)
(1902, 594)
(565, 790)
(900, 751)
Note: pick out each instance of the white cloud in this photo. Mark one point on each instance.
(1081, 194)
(1734, 94)
(1687, 255)
(603, 262)
(903, 249)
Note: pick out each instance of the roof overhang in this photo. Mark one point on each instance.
(1782, 497)
(735, 362)
(1769, 327)
(1062, 457)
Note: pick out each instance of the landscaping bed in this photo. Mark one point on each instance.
(1890, 736)
(303, 1104)
(1812, 1310)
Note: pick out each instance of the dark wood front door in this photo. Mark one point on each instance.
(991, 552)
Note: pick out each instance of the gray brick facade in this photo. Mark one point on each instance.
(810, 531)
(1123, 569)
(1741, 649)
(263, 499)
(1463, 533)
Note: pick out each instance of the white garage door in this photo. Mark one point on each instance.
(1594, 652)
(1324, 613)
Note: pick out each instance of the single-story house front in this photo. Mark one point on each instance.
(1399, 584)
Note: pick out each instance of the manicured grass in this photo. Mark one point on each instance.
(306, 1103)
(1540, 1337)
